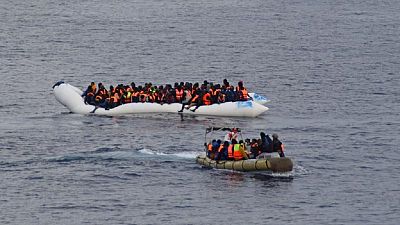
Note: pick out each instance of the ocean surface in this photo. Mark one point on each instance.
(330, 68)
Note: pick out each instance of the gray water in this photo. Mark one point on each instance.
(330, 68)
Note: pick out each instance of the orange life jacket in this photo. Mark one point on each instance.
(135, 94)
(142, 96)
(230, 151)
(150, 98)
(128, 97)
(195, 98)
(207, 99)
(114, 98)
(220, 148)
(209, 147)
(243, 94)
(178, 95)
(194, 91)
(236, 152)
(94, 88)
(221, 98)
(98, 98)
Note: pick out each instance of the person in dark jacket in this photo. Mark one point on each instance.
(223, 154)
(265, 146)
(277, 145)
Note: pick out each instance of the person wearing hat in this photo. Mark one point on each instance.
(277, 145)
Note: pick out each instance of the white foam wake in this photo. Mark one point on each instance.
(186, 155)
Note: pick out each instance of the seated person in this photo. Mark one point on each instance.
(239, 151)
(254, 149)
(223, 152)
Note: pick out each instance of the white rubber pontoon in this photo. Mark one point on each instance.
(70, 97)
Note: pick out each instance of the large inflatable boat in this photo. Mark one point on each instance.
(70, 97)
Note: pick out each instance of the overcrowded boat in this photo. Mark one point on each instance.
(204, 99)
(232, 153)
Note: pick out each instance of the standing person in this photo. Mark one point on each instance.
(277, 145)
(266, 146)
(231, 135)
(225, 82)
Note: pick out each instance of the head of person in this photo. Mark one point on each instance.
(234, 141)
(275, 136)
(262, 135)
(240, 83)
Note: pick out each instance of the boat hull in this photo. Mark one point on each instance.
(70, 97)
(276, 165)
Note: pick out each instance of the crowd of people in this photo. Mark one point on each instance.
(187, 94)
(232, 149)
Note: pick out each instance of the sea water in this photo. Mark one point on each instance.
(330, 68)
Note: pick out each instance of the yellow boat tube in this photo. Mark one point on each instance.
(276, 165)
